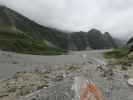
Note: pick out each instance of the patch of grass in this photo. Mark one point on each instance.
(20, 42)
(117, 53)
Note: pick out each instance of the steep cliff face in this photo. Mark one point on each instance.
(111, 42)
(79, 40)
(96, 39)
(93, 39)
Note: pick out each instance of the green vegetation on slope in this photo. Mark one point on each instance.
(97, 40)
(19, 34)
(117, 53)
(19, 42)
(79, 39)
(110, 41)
(126, 51)
(124, 56)
(93, 39)
(39, 32)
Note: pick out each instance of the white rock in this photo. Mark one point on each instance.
(83, 56)
(130, 81)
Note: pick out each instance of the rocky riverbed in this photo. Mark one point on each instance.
(11, 63)
(55, 81)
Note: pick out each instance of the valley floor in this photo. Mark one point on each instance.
(52, 77)
(11, 63)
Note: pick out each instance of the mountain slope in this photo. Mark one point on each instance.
(96, 39)
(79, 40)
(130, 40)
(111, 42)
(130, 44)
(19, 34)
(93, 39)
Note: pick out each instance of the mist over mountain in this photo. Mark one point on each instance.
(112, 16)
(20, 34)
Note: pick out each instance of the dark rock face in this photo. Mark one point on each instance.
(79, 39)
(97, 40)
(111, 42)
(93, 39)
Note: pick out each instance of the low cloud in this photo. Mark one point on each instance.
(114, 16)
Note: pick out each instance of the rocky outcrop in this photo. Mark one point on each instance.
(92, 39)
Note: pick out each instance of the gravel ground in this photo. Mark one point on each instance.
(11, 63)
(47, 80)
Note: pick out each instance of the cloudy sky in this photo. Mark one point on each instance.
(114, 16)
